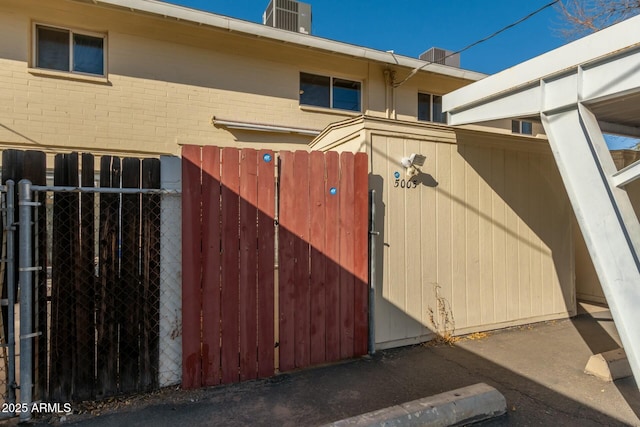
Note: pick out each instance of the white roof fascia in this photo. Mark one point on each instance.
(565, 59)
(167, 10)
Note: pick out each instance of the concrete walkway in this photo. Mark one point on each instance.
(538, 368)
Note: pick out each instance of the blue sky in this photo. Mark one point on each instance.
(410, 27)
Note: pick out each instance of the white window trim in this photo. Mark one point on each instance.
(431, 95)
(520, 122)
(331, 107)
(46, 71)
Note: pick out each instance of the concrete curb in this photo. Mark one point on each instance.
(457, 407)
(609, 366)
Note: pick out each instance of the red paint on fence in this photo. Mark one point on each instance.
(332, 252)
(211, 266)
(230, 180)
(248, 264)
(266, 267)
(322, 261)
(191, 263)
(316, 239)
(301, 269)
(347, 256)
(286, 261)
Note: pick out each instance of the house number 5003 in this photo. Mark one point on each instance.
(403, 183)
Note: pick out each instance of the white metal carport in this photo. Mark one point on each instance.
(578, 91)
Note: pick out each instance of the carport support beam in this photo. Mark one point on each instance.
(605, 216)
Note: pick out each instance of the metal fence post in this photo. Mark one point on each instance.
(11, 293)
(25, 269)
(170, 343)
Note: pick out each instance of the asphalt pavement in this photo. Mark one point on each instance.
(539, 369)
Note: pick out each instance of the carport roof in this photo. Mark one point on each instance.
(607, 79)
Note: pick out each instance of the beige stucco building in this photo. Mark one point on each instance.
(484, 236)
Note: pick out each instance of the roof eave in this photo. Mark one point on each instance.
(167, 10)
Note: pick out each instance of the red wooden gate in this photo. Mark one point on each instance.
(230, 252)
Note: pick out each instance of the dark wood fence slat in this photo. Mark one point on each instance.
(191, 262)
(84, 347)
(301, 254)
(317, 191)
(286, 261)
(230, 261)
(211, 266)
(107, 327)
(361, 252)
(12, 162)
(248, 288)
(266, 260)
(128, 293)
(150, 280)
(332, 251)
(65, 249)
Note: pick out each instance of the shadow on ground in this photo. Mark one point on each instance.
(538, 368)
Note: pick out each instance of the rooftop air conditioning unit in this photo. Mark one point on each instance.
(288, 15)
(441, 56)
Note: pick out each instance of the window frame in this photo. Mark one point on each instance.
(519, 130)
(331, 106)
(71, 32)
(431, 109)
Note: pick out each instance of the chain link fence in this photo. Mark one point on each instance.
(7, 291)
(108, 298)
(97, 255)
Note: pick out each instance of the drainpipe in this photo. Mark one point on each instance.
(389, 93)
(372, 271)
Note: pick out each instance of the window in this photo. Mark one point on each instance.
(65, 50)
(430, 108)
(330, 92)
(522, 126)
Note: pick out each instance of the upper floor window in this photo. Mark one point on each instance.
(430, 108)
(330, 92)
(522, 126)
(72, 51)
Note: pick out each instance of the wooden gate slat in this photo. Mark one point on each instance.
(150, 281)
(347, 280)
(107, 328)
(230, 262)
(332, 251)
(361, 253)
(248, 264)
(266, 260)
(286, 262)
(301, 269)
(191, 262)
(322, 261)
(129, 295)
(211, 266)
(317, 192)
